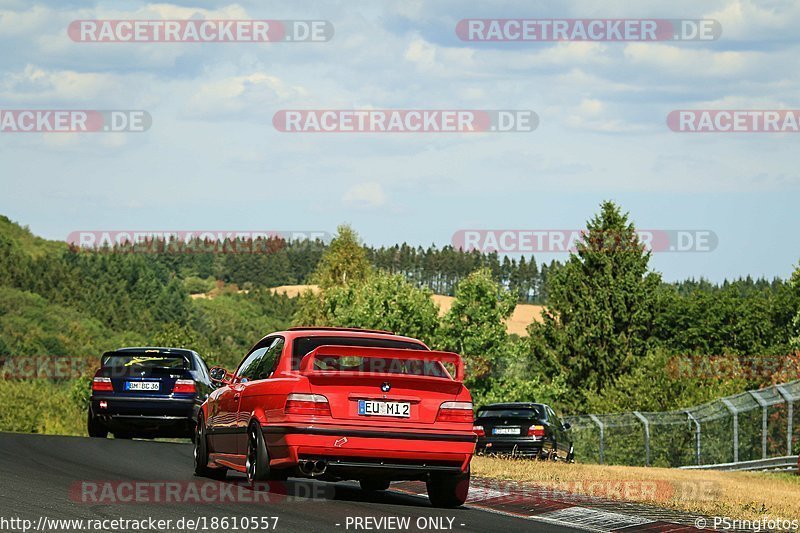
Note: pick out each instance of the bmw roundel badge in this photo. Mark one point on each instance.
(386, 386)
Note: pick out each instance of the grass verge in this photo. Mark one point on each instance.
(742, 495)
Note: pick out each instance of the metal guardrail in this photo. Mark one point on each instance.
(788, 462)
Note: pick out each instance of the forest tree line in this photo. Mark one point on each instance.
(610, 328)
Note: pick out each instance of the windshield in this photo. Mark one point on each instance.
(142, 361)
(302, 345)
(534, 413)
(382, 365)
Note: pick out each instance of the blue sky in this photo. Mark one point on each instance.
(212, 159)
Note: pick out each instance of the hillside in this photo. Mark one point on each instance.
(29, 243)
(30, 325)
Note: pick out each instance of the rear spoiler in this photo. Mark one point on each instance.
(307, 363)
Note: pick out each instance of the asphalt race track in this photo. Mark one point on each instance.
(44, 476)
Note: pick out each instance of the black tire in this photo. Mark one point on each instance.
(552, 455)
(201, 467)
(257, 457)
(95, 428)
(372, 485)
(448, 490)
(543, 455)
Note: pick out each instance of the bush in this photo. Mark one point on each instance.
(195, 285)
(81, 390)
(38, 406)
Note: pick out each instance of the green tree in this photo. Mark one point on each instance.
(522, 387)
(343, 264)
(678, 384)
(174, 335)
(741, 317)
(311, 309)
(475, 327)
(383, 301)
(601, 306)
(196, 285)
(345, 261)
(172, 305)
(795, 341)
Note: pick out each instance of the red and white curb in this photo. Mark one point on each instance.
(573, 511)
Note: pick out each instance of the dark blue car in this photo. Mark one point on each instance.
(148, 392)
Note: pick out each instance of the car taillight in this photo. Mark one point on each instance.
(455, 412)
(101, 384)
(536, 431)
(307, 404)
(184, 386)
(478, 430)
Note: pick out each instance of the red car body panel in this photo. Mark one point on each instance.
(400, 448)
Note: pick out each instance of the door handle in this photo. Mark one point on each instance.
(236, 396)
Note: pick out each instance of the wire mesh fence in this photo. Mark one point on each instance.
(752, 425)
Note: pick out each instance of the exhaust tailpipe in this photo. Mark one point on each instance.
(306, 468)
(319, 468)
(313, 468)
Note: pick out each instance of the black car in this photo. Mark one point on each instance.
(523, 429)
(148, 392)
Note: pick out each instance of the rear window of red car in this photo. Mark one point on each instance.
(302, 345)
(382, 365)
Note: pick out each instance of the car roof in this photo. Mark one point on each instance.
(158, 349)
(293, 333)
(332, 328)
(513, 405)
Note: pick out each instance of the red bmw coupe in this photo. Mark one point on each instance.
(336, 404)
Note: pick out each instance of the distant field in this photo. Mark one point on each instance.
(523, 314)
(293, 291)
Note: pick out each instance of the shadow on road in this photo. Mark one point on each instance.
(303, 490)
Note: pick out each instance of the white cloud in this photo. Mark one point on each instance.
(671, 60)
(37, 85)
(24, 23)
(365, 196)
(442, 60)
(591, 106)
(747, 20)
(240, 97)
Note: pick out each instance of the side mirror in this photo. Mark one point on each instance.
(567, 425)
(220, 376)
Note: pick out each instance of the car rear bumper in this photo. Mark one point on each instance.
(350, 451)
(518, 446)
(171, 417)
